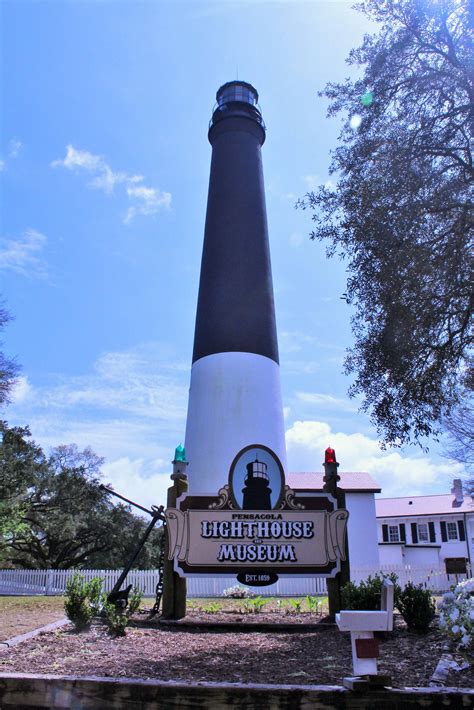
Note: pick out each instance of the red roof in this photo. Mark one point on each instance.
(422, 505)
(350, 481)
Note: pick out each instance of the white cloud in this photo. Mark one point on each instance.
(146, 200)
(327, 401)
(132, 404)
(397, 474)
(139, 480)
(22, 255)
(294, 341)
(14, 148)
(80, 159)
(312, 182)
(296, 240)
(21, 390)
(122, 383)
(2, 165)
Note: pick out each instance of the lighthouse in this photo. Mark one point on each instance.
(235, 392)
(256, 494)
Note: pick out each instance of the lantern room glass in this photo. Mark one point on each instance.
(237, 92)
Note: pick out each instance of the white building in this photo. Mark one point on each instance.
(360, 490)
(427, 531)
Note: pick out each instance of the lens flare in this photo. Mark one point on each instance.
(355, 121)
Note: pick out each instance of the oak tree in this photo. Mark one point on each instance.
(8, 366)
(55, 515)
(401, 211)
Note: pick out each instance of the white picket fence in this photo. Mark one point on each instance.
(53, 581)
(435, 579)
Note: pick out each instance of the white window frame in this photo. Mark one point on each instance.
(452, 536)
(423, 532)
(394, 533)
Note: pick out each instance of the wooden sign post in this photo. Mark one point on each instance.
(334, 584)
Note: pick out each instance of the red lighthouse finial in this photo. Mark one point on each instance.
(330, 455)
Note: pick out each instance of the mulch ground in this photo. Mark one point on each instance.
(320, 656)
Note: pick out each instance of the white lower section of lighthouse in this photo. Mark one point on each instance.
(234, 401)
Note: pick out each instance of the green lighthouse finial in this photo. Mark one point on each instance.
(180, 453)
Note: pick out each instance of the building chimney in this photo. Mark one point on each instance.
(456, 490)
(235, 394)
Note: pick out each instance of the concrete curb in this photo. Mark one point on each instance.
(15, 640)
(27, 690)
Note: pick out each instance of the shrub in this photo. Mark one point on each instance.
(237, 592)
(95, 595)
(134, 600)
(367, 595)
(116, 619)
(417, 606)
(83, 600)
(456, 614)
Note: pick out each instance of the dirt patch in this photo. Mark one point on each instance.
(320, 656)
(18, 615)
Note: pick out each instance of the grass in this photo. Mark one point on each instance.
(18, 615)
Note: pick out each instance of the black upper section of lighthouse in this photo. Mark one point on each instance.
(235, 311)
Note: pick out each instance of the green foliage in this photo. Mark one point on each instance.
(297, 605)
(116, 620)
(95, 595)
(313, 604)
(21, 460)
(256, 604)
(117, 617)
(366, 596)
(407, 242)
(212, 608)
(83, 600)
(53, 513)
(417, 607)
(134, 600)
(8, 367)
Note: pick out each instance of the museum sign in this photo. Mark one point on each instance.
(256, 526)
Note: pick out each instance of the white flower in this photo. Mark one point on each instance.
(454, 615)
(455, 629)
(466, 639)
(442, 622)
(449, 596)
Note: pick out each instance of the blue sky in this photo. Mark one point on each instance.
(105, 165)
